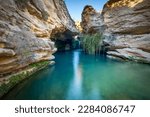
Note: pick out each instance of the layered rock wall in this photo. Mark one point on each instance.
(91, 20)
(127, 29)
(26, 27)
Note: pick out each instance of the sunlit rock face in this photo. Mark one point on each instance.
(26, 27)
(91, 20)
(125, 25)
(78, 25)
(128, 29)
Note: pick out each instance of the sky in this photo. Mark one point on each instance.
(75, 7)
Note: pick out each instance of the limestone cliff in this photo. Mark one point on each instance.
(127, 29)
(26, 27)
(78, 25)
(91, 20)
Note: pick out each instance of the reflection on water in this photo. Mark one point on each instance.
(80, 76)
(75, 90)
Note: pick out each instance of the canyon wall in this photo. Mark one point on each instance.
(91, 20)
(78, 25)
(126, 29)
(26, 27)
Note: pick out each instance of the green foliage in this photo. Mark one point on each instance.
(15, 79)
(92, 43)
(40, 64)
(4, 88)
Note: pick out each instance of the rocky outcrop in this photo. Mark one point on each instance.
(127, 29)
(78, 25)
(26, 27)
(91, 20)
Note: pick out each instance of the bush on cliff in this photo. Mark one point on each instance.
(92, 43)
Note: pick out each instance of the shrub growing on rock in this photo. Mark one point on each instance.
(92, 43)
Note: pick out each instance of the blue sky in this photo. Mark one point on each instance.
(75, 7)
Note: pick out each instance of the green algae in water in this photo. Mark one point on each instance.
(77, 75)
(18, 77)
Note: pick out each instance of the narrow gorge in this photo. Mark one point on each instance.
(28, 29)
(45, 54)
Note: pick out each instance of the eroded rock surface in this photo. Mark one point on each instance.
(127, 28)
(78, 25)
(26, 27)
(91, 20)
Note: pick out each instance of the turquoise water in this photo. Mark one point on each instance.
(80, 76)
